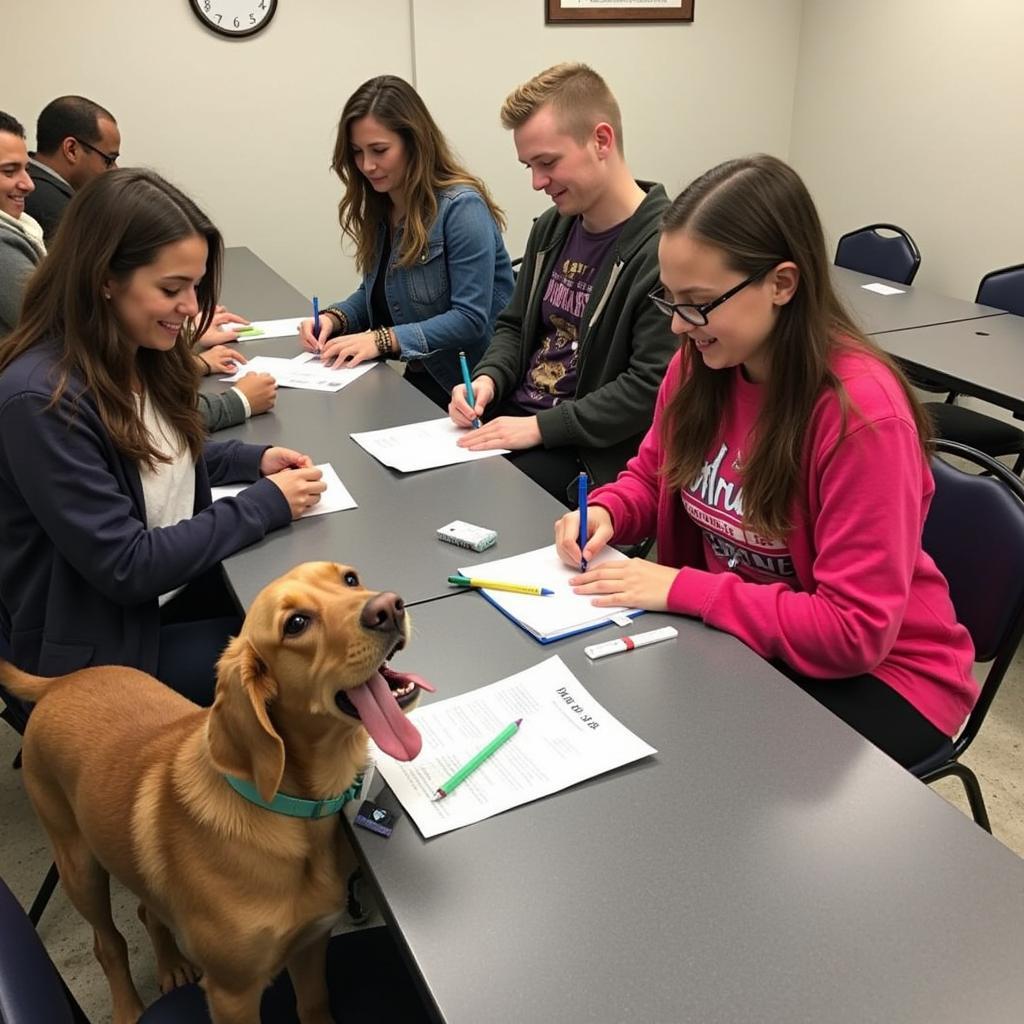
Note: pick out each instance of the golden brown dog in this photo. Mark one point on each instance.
(129, 779)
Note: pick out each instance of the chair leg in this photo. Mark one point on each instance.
(971, 787)
(43, 896)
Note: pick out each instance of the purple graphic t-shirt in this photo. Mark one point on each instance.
(552, 372)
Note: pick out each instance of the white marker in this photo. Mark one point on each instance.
(628, 643)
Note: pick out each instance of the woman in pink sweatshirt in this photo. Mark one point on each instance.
(785, 475)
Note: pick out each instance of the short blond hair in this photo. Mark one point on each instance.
(577, 93)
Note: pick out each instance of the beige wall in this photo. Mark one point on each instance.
(245, 127)
(248, 127)
(913, 112)
(691, 95)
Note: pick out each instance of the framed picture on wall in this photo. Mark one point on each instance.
(560, 11)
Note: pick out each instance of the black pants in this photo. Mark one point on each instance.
(423, 381)
(877, 712)
(195, 627)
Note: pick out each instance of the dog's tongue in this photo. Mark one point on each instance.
(384, 719)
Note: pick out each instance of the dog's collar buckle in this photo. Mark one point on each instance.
(295, 806)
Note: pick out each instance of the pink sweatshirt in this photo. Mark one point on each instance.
(849, 590)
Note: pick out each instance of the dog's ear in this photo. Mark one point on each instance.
(242, 739)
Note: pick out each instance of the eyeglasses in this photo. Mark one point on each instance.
(696, 314)
(109, 159)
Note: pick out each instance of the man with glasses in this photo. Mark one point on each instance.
(569, 379)
(76, 141)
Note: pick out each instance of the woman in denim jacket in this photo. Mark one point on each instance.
(428, 244)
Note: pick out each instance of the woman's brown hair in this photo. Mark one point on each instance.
(758, 213)
(430, 167)
(116, 224)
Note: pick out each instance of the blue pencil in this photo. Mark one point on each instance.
(469, 385)
(582, 504)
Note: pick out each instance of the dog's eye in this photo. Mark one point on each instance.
(296, 624)
(351, 579)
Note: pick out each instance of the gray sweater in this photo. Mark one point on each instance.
(20, 254)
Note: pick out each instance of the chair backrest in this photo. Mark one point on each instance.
(975, 534)
(1003, 289)
(894, 256)
(30, 987)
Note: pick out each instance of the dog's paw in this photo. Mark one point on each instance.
(176, 973)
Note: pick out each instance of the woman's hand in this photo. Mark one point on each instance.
(349, 350)
(216, 334)
(512, 432)
(260, 390)
(276, 459)
(311, 343)
(301, 487)
(632, 582)
(221, 359)
(600, 531)
(460, 411)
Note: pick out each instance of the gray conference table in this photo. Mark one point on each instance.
(767, 865)
(913, 307)
(251, 289)
(983, 358)
(391, 537)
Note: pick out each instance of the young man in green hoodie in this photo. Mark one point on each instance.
(569, 379)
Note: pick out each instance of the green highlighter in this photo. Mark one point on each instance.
(249, 332)
(474, 762)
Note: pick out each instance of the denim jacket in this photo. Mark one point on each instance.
(448, 300)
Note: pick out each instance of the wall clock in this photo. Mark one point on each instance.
(234, 18)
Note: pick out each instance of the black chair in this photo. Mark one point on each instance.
(975, 534)
(368, 982)
(894, 257)
(1003, 289)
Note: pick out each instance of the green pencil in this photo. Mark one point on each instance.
(473, 763)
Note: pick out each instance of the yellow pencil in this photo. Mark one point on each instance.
(512, 588)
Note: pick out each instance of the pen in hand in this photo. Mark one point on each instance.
(316, 323)
(582, 504)
(474, 762)
(470, 399)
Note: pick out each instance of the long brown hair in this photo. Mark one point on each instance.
(758, 213)
(430, 167)
(114, 225)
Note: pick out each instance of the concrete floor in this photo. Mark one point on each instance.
(25, 857)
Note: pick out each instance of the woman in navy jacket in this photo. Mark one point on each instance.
(105, 469)
(428, 244)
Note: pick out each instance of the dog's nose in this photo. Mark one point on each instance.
(384, 611)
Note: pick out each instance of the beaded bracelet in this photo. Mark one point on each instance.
(339, 317)
(382, 339)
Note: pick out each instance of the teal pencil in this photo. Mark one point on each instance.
(474, 762)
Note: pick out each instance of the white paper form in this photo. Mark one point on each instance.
(302, 371)
(881, 289)
(267, 328)
(559, 614)
(335, 499)
(565, 737)
(417, 446)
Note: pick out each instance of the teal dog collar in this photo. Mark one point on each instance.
(295, 806)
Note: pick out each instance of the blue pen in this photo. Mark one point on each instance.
(581, 502)
(316, 322)
(469, 385)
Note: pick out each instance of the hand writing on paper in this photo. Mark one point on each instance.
(328, 325)
(260, 390)
(600, 531)
(512, 432)
(349, 350)
(634, 582)
(460, 411)
(276, 459)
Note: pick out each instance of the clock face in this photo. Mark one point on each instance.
(234, 18)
